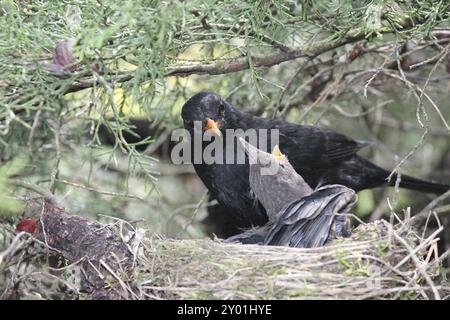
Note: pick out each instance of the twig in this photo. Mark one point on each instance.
(419, 265)
(14, 244)
(58, 155)
(121, 282)
(278, 106)
(107, 193)
(239, 31)
(45, 193)
(158, 142)
(197, 208)
(240, 64)
(425, 211)
(36, 122)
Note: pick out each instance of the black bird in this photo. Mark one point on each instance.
(320, 155)
(298, 216)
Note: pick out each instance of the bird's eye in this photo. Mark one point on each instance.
(221, 109)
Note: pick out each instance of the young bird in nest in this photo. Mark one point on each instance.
(298, 216)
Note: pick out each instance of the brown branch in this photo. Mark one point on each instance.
(45, 193)
(101, 251)
(428, 209)
(270, 60)
(240, 64)
(89, 83)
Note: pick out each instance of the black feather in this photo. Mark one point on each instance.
(306, 222)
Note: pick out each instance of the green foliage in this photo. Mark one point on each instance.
(8, 204)
(132, 58)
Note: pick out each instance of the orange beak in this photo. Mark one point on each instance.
(213, 127)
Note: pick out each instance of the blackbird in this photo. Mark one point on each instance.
(321, 156)
(298, 216)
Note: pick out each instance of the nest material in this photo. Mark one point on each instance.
(364, 266)
(376, 262)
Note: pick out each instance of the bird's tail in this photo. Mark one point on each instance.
(412, 183)
(378, 177)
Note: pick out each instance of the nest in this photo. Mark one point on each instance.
(377, 262)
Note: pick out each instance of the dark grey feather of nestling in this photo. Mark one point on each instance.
(298, 216)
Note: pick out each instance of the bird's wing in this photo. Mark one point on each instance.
(339, 146)
(325, 146)
(306, 223)
(252, 236)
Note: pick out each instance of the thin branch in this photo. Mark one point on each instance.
(239, 64)
(58, 155)
(106, 193)
(425, 211)
(419, 266)
(197, 208)
(45, 193)
(239, 31)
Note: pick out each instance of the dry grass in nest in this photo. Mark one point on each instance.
(377, 262)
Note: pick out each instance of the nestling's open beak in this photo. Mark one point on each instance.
(276, 152)
(212, 127)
